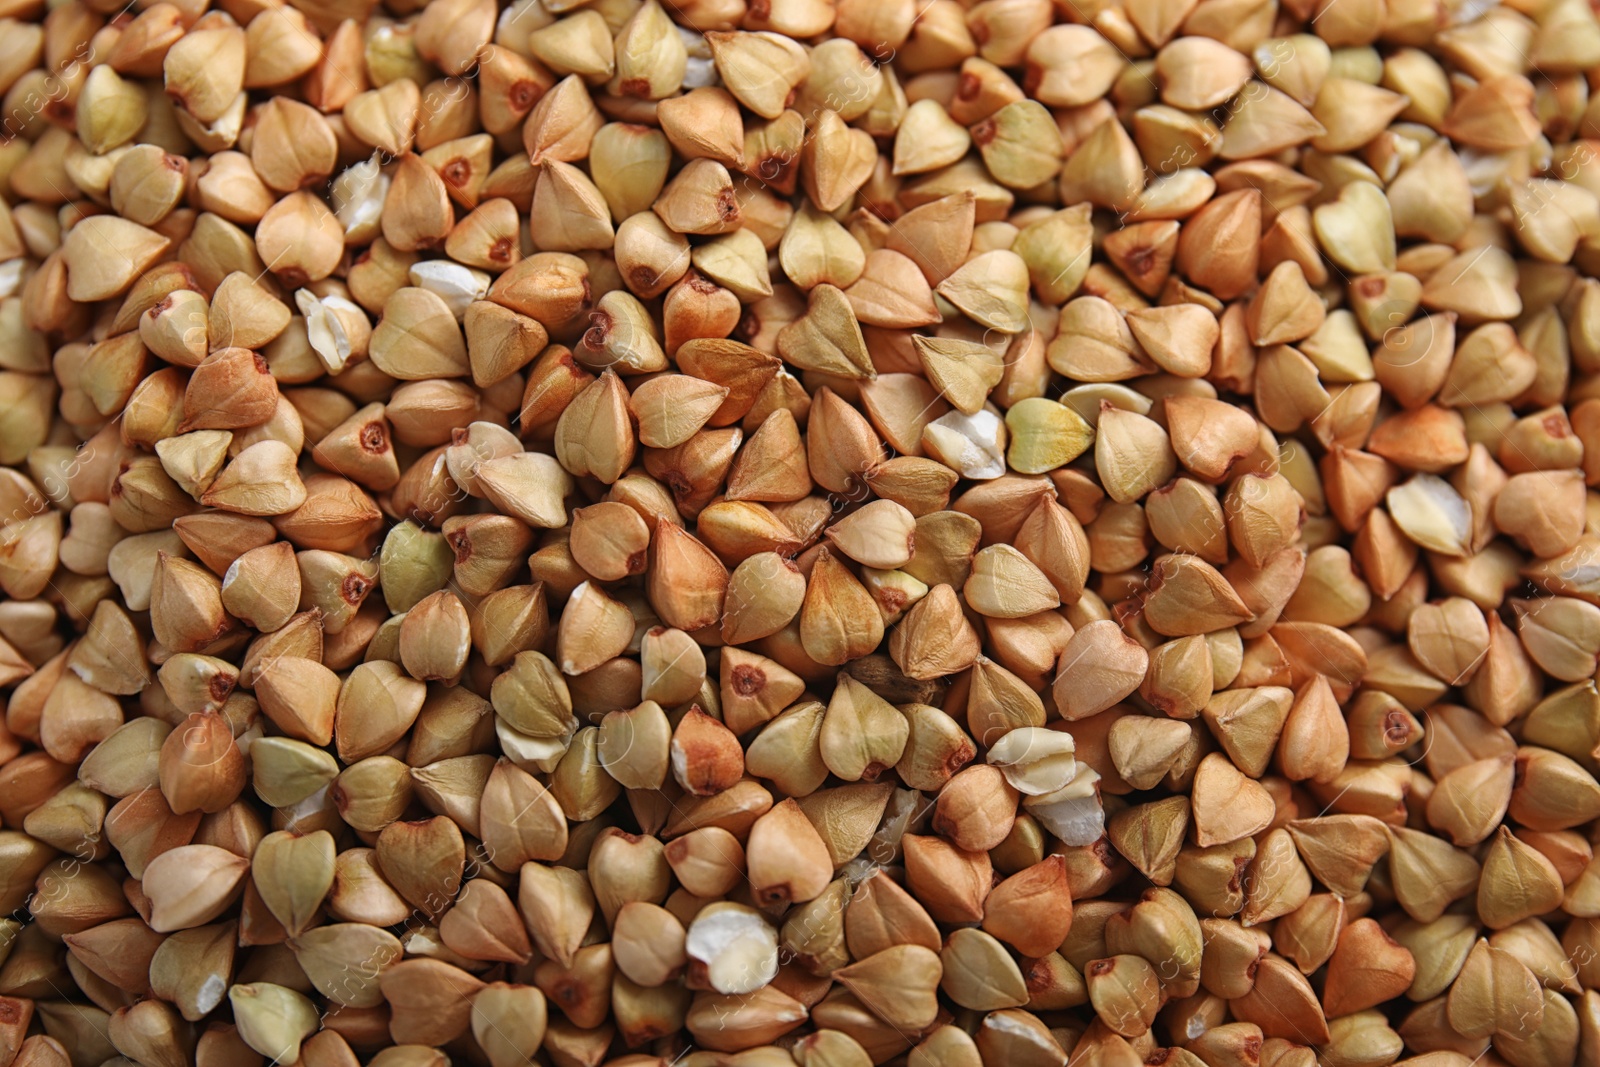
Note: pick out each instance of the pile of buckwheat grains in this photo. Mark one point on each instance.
(799, 533)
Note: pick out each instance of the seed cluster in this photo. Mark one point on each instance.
(799, 533)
